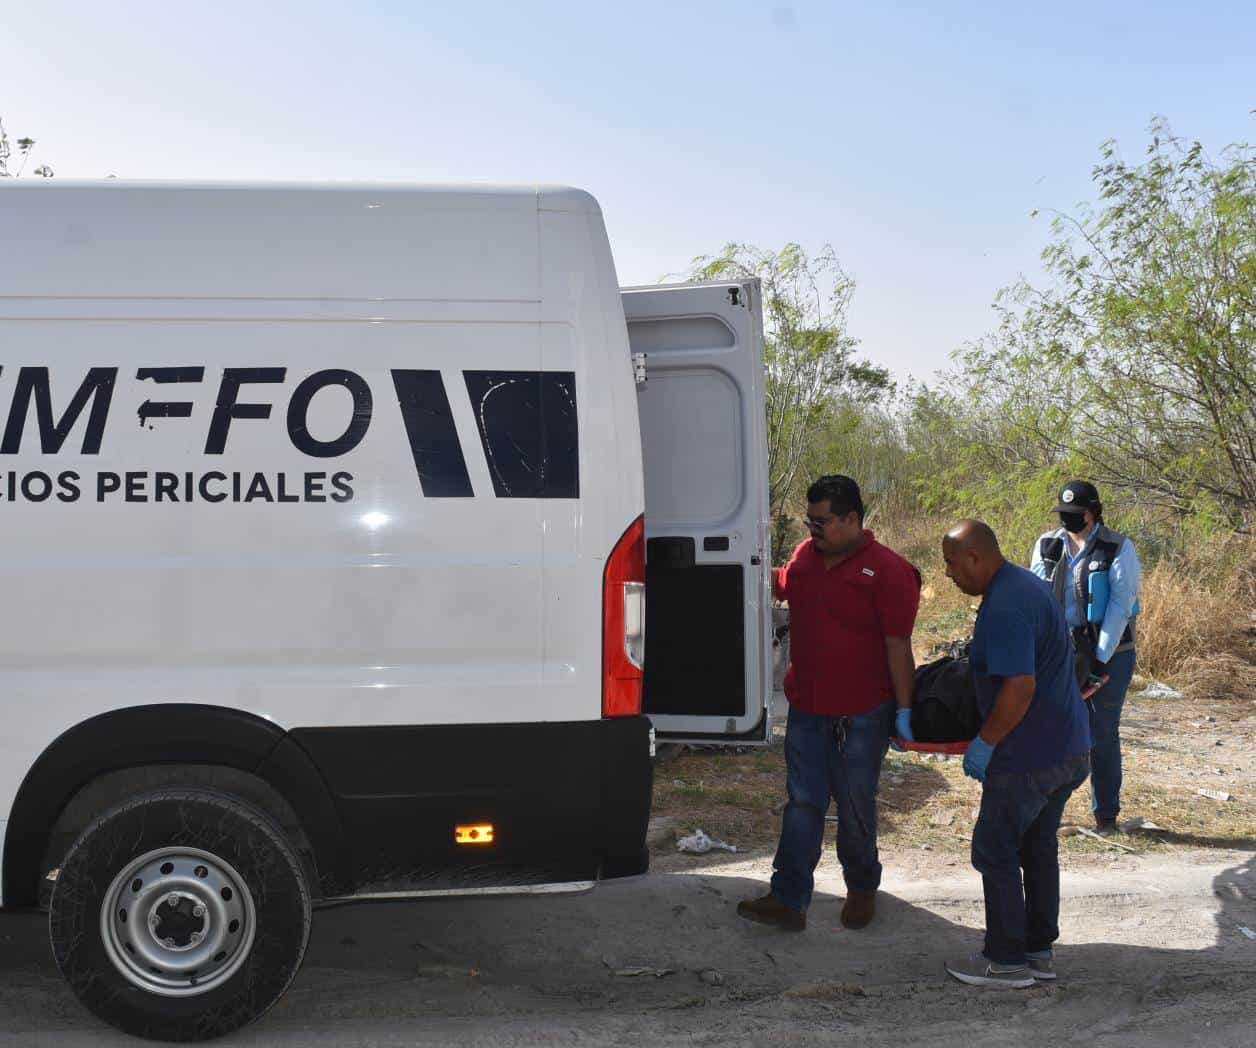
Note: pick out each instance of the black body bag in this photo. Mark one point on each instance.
(944, 707)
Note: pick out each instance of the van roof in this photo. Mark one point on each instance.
(548, 196)
(135, 239)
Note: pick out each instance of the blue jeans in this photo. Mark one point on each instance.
(836, 758)
(1016, 830)
(1105, 734)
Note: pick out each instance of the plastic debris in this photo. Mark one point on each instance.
(1104, 840)
(1140, 825)
(1247, 932)
(635, 972)
(1157, 690)
(698, 843)
(711, 977)
(1214, 795)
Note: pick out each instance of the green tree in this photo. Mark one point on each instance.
(1153, 321)
(25, 147)
(1136, 365)
(809, 353)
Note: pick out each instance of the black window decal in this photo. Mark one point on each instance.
(433, 436)
(527, 424)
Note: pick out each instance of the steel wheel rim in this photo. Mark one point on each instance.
(178, 922)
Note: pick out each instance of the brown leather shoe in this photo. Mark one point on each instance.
(859, 909)
(770, 910)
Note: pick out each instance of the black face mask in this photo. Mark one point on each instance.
(1073, 522)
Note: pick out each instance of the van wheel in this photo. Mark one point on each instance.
(180, 915)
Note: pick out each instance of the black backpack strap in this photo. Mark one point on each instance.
(1051, 549)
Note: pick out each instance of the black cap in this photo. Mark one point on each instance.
(1077, 495)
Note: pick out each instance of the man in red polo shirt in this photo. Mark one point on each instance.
(852, 607)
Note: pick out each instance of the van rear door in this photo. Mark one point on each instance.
(703, 435)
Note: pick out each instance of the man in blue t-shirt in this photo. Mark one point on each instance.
(1032, 752)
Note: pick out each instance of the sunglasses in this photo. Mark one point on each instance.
(816, 524)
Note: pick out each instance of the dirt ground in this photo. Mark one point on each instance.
(1154, 949)
(1153, 955)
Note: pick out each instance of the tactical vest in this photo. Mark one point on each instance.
(1104, 546)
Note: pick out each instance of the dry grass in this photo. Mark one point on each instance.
(1172, 749)
(946, 614)
(1218, 677)
(1197, 607)
(1197, 627)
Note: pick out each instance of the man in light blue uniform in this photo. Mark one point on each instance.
(1094, 572)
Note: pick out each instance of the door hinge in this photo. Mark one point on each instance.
(638, 368)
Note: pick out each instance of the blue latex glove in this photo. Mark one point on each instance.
(902, 724)
(977, 759)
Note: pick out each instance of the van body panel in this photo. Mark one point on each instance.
(345, 459)
(137, 240)
(153, 736)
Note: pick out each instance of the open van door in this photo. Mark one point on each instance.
(703, 433)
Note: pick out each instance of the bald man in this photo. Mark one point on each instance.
(1032, 752)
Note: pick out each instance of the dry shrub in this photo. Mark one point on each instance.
(1197, 627)
(916, 536)
(1197, 615)
(1222, 677)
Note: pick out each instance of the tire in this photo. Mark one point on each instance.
(180, 915)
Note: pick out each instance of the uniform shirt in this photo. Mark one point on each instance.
(1124, 577)
(1021, 631)
(839, 618)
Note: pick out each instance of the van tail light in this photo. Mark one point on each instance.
(623, 624)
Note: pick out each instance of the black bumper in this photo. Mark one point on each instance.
(568, 801)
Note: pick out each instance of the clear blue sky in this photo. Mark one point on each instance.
(914, 137)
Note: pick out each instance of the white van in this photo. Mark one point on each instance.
(326, 514)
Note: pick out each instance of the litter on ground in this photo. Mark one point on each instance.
(1104, 840)
(1157, 690)
(1140, 825)
(698, 843)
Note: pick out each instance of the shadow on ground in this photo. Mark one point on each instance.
(516, 970)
